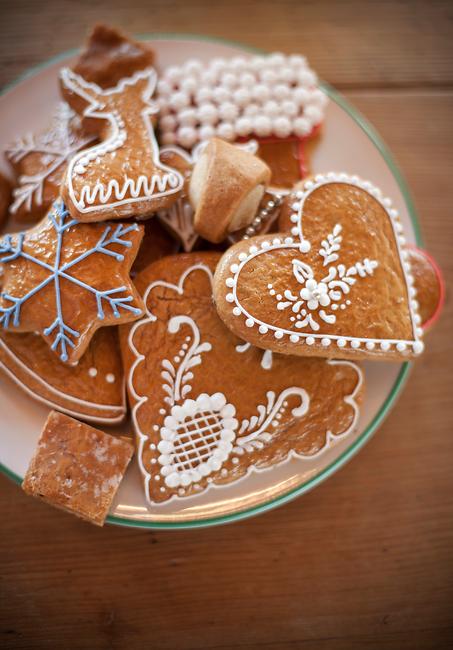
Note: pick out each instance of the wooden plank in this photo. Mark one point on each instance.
(353, 43)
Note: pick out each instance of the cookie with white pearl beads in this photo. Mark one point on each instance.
(269, 95)
(339, 284)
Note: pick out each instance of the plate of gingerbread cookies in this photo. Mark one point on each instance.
(212, 281)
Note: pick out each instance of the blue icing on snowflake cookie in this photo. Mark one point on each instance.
(72, 270)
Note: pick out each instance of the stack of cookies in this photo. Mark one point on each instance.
(178, 244)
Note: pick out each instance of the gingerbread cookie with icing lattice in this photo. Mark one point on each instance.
(209, 409)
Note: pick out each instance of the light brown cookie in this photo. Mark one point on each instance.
(226, 188)
(92, 390)
(77, 468)
(209, 409)
(340, 286)
(5, 199)
(63, 280)
(39, 162)
(109, 56)
(122, 176)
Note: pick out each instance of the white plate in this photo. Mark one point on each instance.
(348, 144)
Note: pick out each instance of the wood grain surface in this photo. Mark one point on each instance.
(365, 560)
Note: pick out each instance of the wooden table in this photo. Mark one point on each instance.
(364, 561)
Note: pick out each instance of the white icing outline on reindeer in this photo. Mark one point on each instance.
(263, 411)
(167, 184)
(303, 246)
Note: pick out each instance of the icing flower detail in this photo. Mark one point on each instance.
(315, 294)
(330, 291)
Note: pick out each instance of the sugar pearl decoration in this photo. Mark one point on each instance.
(221, 95)
(187, 136)
(314, 114)
(287, 74)
(271, 108)
(247, 80)
(173, 74)
(318, 98)
(193, 66)
(226, 131)
(209, 77)
(289, 108)
(269, 77)
(301, 126)
(203, 94)
(228, 80)
(301, 95)
(237, 63)
(208, 114)
(281, 92)
(169, 138)
(187, 117)
(164, 88)
(270, 94)
(306, 77)
(168, 122)
(260, 92)
(252, 109)
(262, 125)
(228, 111)
(206, 132)
(281, 126)
(243, 126)
(189, 85)
(241, 97)
(179, 100)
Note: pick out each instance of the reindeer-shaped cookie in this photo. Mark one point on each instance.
(122, 176)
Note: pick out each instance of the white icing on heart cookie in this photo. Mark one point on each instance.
(300, 312)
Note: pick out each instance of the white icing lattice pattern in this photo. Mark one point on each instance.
(270, 95)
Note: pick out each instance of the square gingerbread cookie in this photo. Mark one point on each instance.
(77, 468)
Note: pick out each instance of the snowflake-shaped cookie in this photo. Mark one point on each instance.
(39, 161)
(64, 280)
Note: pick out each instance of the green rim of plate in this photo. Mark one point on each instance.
(373, 135)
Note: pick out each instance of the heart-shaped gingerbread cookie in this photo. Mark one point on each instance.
(339, 286)
(207, 408)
